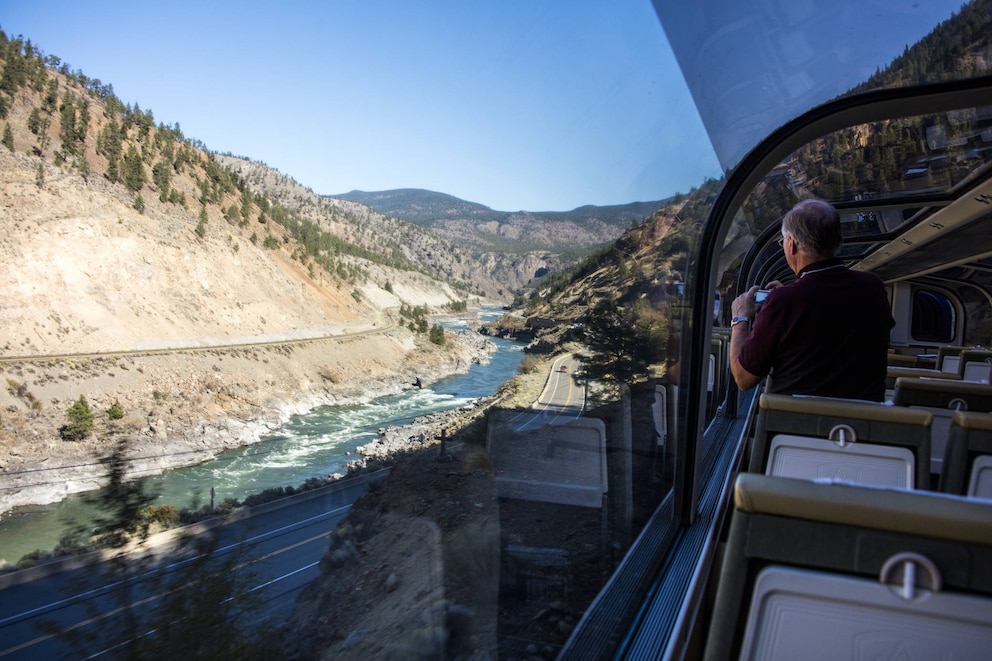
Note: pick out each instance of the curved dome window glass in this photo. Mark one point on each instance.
(933, 317)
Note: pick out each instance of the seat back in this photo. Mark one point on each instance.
(949, 358)
(838, 571)
(861, 463)
(969, 439)
(833, 428)
(980, 484)
(941, 398)
(894, 373)
(976, 365)
(901, 360)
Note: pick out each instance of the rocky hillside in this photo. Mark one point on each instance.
(85, 272)
(628, 293)
(518, 246)
(418, 248)
(121, 236)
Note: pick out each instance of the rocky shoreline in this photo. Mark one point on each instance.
(424, 432)
(184, 408)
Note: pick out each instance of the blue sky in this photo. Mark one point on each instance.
(517, 104)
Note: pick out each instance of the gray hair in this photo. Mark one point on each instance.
(815, 226)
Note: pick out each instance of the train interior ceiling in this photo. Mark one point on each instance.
(683, 518)
(905, 154)
(919, 220)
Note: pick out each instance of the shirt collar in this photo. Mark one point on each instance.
(834, 263)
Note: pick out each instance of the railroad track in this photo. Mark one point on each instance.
(192, 349)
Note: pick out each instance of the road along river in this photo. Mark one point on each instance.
(317, 444)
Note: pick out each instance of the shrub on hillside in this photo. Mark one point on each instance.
(437, 334)
(166, 516)
(116, 411)
(80, 421)
(528, 364)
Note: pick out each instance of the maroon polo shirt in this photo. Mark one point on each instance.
(825, 334)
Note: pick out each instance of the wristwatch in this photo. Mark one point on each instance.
(740, 319)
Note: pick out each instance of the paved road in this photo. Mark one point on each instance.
(562, 400)
(282, 544)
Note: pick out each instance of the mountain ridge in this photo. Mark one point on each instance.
(424, 207)
(137, 266)
(392, 195)
(519, 246)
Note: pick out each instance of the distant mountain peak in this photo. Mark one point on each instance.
(520, 244)
(429, 208)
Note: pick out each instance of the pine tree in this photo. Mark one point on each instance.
(202, 602)
(67, 119)
(110, 144)
(8, 137)
(82, 121)
(35, 121)
(623, 342)
(162, 176)
(201, 226)
(134, 170)
(15, 71)
(246, 204)
(51, 96)
(80, 421)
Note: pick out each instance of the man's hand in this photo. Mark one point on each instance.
(744, 305)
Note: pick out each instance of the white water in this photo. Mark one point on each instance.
(317, 444)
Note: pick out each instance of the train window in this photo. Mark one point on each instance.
(933, 317)
(978, 316)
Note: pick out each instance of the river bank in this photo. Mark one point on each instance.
(183, 408)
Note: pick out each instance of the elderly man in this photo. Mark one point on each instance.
(826, 333)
